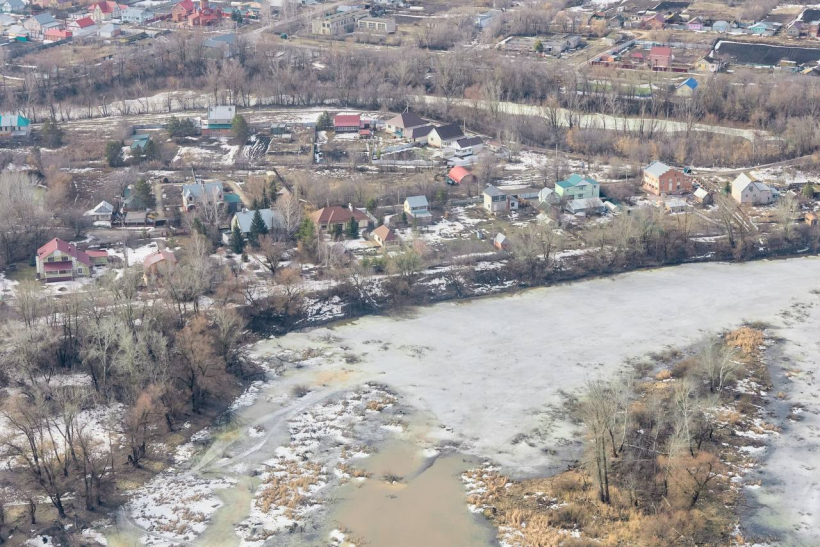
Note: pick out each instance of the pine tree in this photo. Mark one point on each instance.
(113, 153)
(808, 190)
(258, 228)
(237, 241)
(240, 129)
(52, 134)
(337, 231)
(353, 229)
(324, 122)
(307, 237)
(143, 195)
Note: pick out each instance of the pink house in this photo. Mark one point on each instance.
(660, 56)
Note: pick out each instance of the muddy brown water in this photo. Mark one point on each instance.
(427, 506)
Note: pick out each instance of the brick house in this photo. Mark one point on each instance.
(659, 178)
(660, 56)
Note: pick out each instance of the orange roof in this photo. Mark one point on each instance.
(384, 233)
(157, 257)
(457, 173)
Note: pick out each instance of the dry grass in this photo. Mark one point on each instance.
(747, 339)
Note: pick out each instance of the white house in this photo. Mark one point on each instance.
(102, 212)
(201, 193)
(496, 201)
(748, 190)
(445, 136)
(586, 206)
(417, 208)
(468, 146)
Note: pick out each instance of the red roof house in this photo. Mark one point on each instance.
(55, 35)
(347, 123)
(193, 15)
(152, 263)
(59, 260)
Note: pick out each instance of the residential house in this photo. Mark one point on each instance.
(101, 213)
(82, 27)
(703, 196)
(191, 14)
(747, 189)
(338, 22)
(13, 6)
(419, 134)
(220, 47)
(56, 34)
(105, 11)
(385, 237)
(219, 120)
(347, 123)
(202, 193)
(675, 205)
(58, 260)
(468, 146)
(502, 242)
(61, 4)
(796, 29)
(560, 43)
(708, 64)
(764, 28)
(14, 126)
(135, 218)
(17, 32)
(686, 88)
(548, 196)
(377, 25)
(155, 263)
(586, 206)
(445, 136)
(496, 201)
(460, 175)
(417, 208)
(273, 220)
(654, 21)
(695, 24)
(659, 178)
(139, 16)
(398, 125)
(577, 187)
(99, 258)
(139, 141)
(39, 24)
(327, 218)
(660, 56)
(109, 30)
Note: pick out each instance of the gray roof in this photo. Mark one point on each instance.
(417, 201)
(220, 41)
(102, 208)
(449, 131)
(15, 4)
(273, 219)
(470, 141)
(44, 18)
(492, 191)
(418, 132)
(585, 203)
(657, 168)
(406, 119)
(197, 190)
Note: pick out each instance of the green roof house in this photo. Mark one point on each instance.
(577, 187)
(14, 126)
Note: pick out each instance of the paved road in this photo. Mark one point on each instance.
(602, 121)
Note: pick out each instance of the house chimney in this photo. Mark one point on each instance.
(350, 206)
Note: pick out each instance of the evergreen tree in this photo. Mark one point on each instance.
(143, 195)
(353, 229)
(180, 128)
(150, 151)
(113, 154)
(255, 204)
(258, 228)
(52, 134)
(808, 190)
(237, 242)
(240, 129)
(307, 236)
(324, 122)
(337, 231)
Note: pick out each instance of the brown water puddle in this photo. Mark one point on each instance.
(428, 507)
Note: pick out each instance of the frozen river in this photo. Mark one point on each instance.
(487, 375)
